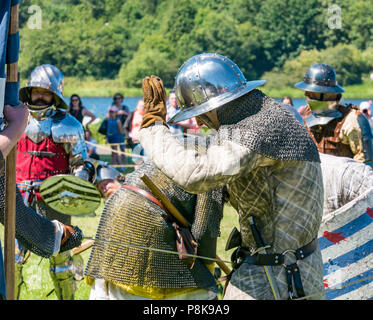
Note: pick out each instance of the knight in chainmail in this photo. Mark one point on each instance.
(52, 144)
(132, 216)
(36, 233)
(337, 128)
(268, 163)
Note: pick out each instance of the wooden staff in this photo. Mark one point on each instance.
(83, 247)
(10, 185)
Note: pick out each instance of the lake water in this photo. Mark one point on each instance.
(100, 105)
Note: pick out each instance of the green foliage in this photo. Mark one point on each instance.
(287, 27)
(349, 63)
(367, 57)
(127, 39)
(155, 56)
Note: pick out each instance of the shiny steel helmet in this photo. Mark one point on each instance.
(322, 78)
(206, 82)
(106, 172)
(47, 77)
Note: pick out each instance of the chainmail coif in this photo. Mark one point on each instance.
(263, 125)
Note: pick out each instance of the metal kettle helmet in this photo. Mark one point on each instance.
(48, 77)
(321, 78)
(206, 82)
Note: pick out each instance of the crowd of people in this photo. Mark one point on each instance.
(121, 126)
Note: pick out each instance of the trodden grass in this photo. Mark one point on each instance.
(36, 270)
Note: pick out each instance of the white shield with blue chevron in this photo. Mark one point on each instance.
(346, 243)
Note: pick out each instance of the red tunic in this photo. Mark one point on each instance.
(38, 166)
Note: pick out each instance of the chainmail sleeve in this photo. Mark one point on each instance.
(35, 232)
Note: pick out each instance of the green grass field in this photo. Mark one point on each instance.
(36, 270)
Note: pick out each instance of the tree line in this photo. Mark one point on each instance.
(129, 39)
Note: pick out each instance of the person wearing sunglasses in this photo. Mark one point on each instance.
(78, 111)
(123, 113)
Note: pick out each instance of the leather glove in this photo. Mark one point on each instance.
(154, 101)
(72, 237)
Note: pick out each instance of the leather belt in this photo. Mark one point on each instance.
(29, 187)
(146, 194)
(41, 154)
(292, 272)
(277, 259)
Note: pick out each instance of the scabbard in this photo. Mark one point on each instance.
(261, 249)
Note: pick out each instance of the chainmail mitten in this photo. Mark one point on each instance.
(74, 240)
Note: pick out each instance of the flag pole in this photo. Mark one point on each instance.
(10, 186)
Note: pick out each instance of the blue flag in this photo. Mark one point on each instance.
(9, 53)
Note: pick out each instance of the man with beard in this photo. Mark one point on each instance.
(264, 157)
(337, 128)
(52, 144)
(128, 260)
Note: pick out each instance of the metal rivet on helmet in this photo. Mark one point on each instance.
(320, 77)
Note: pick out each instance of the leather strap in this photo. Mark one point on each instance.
(145, 194)
(276, 259)
(29, 187)
(292, 273)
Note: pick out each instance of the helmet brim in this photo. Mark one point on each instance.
(315, 88)
(216, 102)
(25, 96)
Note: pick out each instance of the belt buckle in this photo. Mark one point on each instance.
(289, 251)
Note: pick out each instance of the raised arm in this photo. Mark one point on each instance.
(201, 170)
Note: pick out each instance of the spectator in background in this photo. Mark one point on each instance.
(114, 134)
(287, 100)
(131, 130)
(133, 123)
(123, 110)
(123, 113)
(366, 109)
(91, 149)
(172, 109)
(78, 111)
